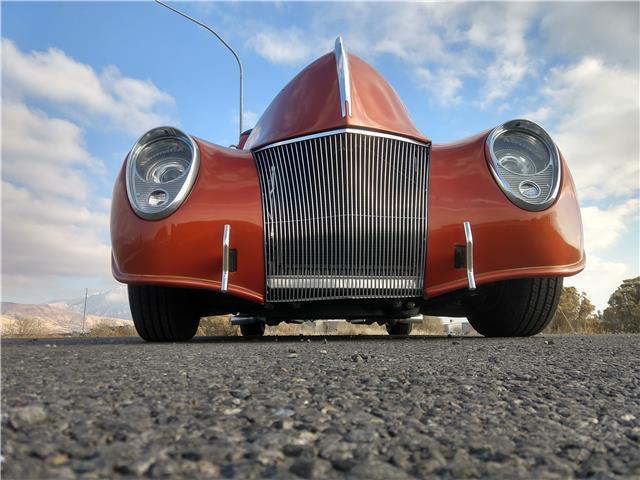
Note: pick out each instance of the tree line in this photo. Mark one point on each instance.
(576, 313)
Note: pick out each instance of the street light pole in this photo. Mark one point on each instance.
(84, 313)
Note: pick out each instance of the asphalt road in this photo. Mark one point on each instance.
(374, 407)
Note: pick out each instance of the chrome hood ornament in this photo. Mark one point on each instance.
(344, 78)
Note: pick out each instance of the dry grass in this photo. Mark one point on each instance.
(324, 328)
(25, 327)
(590, 326)
(429, 326)
(105, 330)
(219, 326)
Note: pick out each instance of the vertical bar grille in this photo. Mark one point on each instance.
(345, 216)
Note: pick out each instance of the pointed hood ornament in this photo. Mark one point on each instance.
(344, 78)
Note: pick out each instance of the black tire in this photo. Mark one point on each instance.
(252, 330)
(163, 314)
(399, 329)
(514, 308)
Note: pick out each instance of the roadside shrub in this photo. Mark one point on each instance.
(219, 326)
(429, 326)
(106, 330)
(25, 327)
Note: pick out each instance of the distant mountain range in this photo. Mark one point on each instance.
(65, 316)
(112, 303)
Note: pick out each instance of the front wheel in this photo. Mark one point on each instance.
(163, 314)
(514, 308)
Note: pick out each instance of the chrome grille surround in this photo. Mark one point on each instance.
(345, 216)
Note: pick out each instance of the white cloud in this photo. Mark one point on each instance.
(605, 29)
(444, 85)
(604, 227)
(44, 154)
(594, 111)
(283, 46)
(443, 44)
(55, 224)
(49, 236)
(599, 279)
(127, 103)
(503, 76)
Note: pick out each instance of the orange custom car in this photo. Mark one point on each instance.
(336, 206)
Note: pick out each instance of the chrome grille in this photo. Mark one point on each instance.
(345, 216)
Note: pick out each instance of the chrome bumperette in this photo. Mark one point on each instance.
(344, 77)
(471, 279)
(226, 235)
(345, 216)
(549, 179)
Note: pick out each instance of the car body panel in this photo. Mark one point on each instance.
(185, 248)
(509, 242)
(310, 103)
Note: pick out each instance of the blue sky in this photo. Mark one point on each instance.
(81, 81)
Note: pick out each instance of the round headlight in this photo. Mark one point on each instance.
(525, 163)
(161, 169)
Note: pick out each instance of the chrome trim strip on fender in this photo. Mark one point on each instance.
(343, 130)
(344, 78)
(225, 258)
(471, 279)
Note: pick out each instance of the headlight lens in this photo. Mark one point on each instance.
(525, 163)
(161, 169)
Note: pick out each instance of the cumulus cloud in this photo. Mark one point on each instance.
(283, 46)
(44, 235)
(51, 225)
(593, 112)
(599, 279)
(604, 227)
(443, 44)
(605, 29)
(55, 220)
(44, 154)
(130, 104)
(444, 85)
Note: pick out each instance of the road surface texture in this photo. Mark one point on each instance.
(373, 407)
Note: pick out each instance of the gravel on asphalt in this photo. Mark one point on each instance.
(373, 407)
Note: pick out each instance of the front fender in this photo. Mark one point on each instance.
(185, 248)
(509, 242)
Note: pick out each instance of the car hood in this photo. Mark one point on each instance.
(311, 103)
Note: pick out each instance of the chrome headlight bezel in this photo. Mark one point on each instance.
(177, 190)
(512, 183)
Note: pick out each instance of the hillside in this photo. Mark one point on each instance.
(112, 303)
(48, 319)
